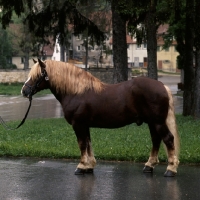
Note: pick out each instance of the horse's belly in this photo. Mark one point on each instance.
(112, 120)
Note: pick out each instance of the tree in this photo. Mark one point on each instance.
(23, 42)
(184, 25)
(119, 44)
(188, 64)
(151, 30)
(144, 19)
(196, 89)
(49, 18)
(5, 50)
(98, 11)
(53, 18)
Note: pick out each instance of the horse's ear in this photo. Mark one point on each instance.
(34, 61)
(42, 65)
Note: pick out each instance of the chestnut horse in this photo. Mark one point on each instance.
(88, 102)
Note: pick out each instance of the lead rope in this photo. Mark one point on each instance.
(22, 122)
(44, 75)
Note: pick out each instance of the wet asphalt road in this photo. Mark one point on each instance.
(32, 179)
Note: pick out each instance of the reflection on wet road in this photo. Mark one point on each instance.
(178, 104)
(14, 108)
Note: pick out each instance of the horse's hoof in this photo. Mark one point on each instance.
(169, 173)
(79, 171)
(148, 169)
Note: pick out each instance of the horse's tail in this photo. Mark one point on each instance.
(171, 122)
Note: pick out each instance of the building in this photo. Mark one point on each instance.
(166, 58)
(137, 54)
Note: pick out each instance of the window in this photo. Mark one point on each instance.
(92, 48)
(158, 48)
(138, 46)
(78, 48)
(9, 60)
(136, 61)
(78, 37)
(167, 49)
(22, 60)
(57, 49)
(128, 46)
(145, 45)
(166, 61)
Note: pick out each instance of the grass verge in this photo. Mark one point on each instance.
(15, 89)
(54, 138)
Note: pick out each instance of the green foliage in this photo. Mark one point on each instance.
(177, 29)
(5, 50)
(136, 72)
(48, 18)
(137, 12)
(54, 138)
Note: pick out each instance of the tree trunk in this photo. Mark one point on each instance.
(151, 29)
(188, 66)
(86, 53)
(119, 46)
(196, 104)
(62, 53)
(26, 58)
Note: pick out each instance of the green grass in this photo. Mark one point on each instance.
(54, 138)
(10, 89)
(15, 89)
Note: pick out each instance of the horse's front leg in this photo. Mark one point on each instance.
(88, 161)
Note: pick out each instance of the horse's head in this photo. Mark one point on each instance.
(37, 81)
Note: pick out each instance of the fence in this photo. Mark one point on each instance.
(20, 76)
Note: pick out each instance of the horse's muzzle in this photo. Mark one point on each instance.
(26, 92)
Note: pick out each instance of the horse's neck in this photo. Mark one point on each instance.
(57, 96)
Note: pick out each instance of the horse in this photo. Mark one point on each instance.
(88, 102)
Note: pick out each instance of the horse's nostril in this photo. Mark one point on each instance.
(24, 93)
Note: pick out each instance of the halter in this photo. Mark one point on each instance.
(33, 88)
(44, 76)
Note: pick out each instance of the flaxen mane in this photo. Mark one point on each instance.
(67, 78)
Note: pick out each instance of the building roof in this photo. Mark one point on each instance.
(162, 29)
(48, 50)
(129, 40)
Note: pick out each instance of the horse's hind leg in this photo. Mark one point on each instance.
(153, 159)
(168, 139)
(88, 161)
